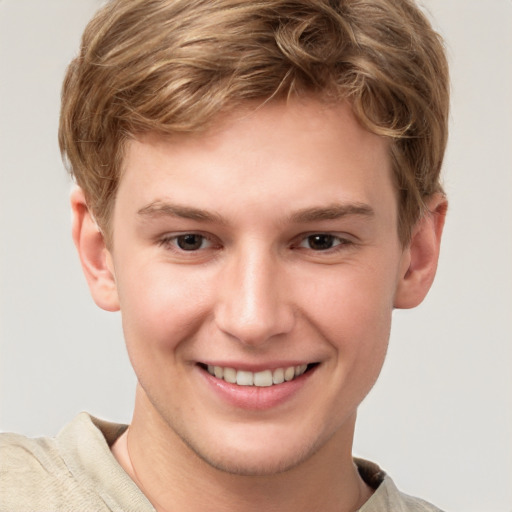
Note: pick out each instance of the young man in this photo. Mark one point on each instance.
(258, 188)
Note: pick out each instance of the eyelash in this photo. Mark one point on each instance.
(340, 242)
(172, 241)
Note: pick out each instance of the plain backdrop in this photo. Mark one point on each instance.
(440, 418)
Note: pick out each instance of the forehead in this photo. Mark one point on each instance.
(283, 153)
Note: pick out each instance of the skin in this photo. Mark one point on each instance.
(258, 290)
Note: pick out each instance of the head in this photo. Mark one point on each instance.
(172, 66)
(259, 171)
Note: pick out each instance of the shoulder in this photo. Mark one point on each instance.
(33, 475)
(41, 473)
(412, 504)
(23, 458)
(386, 496)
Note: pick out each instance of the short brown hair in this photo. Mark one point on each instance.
(170, 66)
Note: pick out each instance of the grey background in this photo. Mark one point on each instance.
(440, 418)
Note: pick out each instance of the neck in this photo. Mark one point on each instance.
(174, 477)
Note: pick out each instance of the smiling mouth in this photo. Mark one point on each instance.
(264, 378)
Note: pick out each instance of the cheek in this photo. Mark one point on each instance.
(352, 311)
(160, 309)
(357, 300)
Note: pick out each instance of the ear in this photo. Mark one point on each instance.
(95, 258)
(421, 256)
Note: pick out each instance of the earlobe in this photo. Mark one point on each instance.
(95, 258)
(421, 256)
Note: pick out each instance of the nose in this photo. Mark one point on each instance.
(254, 305)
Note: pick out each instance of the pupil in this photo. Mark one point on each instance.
(321, 242)
(190, 242)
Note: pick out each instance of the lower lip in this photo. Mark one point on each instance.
(254, 397)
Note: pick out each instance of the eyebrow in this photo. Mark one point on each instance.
(306, 215)
(332, 212)
(165, 209)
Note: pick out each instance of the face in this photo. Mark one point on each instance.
(256, 267)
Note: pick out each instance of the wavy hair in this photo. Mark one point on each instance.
(170, 66)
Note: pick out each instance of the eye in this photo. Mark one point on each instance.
(322, 242)
(187, 242)
(190, 242)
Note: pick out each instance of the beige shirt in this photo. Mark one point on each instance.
(77, 472)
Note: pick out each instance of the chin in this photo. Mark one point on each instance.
(247, 465)
(255, 459)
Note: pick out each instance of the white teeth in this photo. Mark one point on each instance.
(230, 375)
(244, 378)
(289, 373)
(264, 378)
(278, 376)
